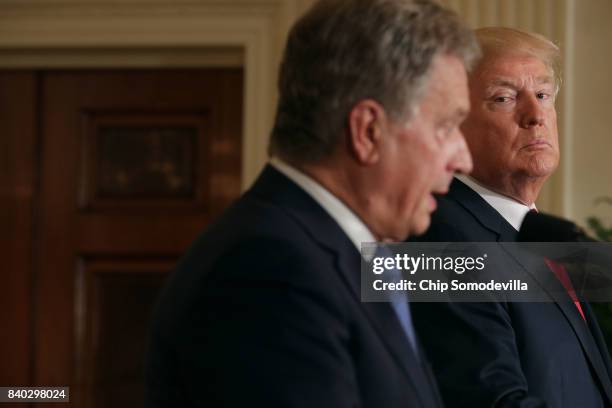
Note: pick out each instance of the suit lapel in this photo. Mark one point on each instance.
(493, 221)
(326, 232)
(597, 336)
(382, 316)
(582, 329)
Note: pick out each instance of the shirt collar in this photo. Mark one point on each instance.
(513, 211)
(348, 221)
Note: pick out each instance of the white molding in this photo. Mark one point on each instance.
(49, 33)
(567, 145)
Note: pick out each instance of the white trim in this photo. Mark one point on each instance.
(567, 162)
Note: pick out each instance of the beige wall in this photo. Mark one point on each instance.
(592, 142)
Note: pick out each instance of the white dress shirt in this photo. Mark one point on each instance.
(348, 221)
(513, 211)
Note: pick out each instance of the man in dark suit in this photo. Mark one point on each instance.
(511, 354)
(264, 309)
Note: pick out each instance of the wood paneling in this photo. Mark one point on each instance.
(114, 298)
(145, 158)
(105, 178)
(18, 102)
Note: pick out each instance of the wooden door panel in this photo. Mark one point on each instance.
(18, 152)
(134, 165)
(115, 296)
(143, 159)
(155, 233)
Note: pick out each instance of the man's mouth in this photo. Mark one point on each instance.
(537, 144)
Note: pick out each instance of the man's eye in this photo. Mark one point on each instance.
(542, 95)
(447, 130)
(501, 99)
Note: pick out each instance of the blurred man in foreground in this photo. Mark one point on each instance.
(264, 309)
(511, 354)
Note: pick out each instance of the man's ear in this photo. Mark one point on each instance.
(367, 123)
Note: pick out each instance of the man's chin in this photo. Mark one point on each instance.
(542, 165)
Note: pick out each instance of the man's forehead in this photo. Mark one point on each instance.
(511, 58)
(510, 68)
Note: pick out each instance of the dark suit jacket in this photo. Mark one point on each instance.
(264, 311)
(508, 354)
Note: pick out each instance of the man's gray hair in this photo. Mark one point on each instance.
(344, 51)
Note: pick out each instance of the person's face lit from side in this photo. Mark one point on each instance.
(512, 127)
(425, 151)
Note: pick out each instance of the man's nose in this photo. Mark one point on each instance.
(461, 160)
(531, 111)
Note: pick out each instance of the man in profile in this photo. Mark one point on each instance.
(265, 309)
(511, 354)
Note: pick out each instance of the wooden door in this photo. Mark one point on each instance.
(132, 166)
(18, 95)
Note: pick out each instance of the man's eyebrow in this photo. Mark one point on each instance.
(509, 83)
(496, 83)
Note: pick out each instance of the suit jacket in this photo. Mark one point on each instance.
(508, 354)
(264, 310)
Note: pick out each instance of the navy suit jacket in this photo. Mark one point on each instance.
(264, 310)
(508, 354)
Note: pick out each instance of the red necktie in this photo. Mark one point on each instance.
(561, 274)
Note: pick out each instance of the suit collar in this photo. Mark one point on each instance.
(513, 211)
(274, 187)
(350, 223)
(482, 211)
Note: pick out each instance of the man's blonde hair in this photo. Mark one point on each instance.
(502, 41)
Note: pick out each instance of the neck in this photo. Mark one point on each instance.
(525, 190)
(340, 180)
